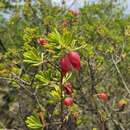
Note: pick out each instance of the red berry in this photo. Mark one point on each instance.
(42, 41)
(68, 101)
(74, 58)
(103, 96)
(65, 65)
(68, 88)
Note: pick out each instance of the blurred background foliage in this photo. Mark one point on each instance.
(99, 31)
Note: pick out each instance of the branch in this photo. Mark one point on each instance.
(2, 45)
(61, 105)
(92, 76)
(120, 75)
(15, 77)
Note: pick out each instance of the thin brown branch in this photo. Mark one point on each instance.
(120, 75)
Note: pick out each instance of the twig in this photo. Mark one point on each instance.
(3, 47)
(38, 102)
(14, 76)
(61, 87)
(118, 124)
(92, 77)
(53, 65)
(121, 76)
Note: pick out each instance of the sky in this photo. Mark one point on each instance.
(128, 10)
(78, 3)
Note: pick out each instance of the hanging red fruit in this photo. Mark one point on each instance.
(65, 65)
(68, 88)
(74, 58)
(103, 96)
(68, 101)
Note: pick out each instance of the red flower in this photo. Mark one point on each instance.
(74, 58)
(42, 41)
(68, 101)
(65, 65)
(103, 96)
(68, 88)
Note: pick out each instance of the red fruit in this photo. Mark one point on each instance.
(68, 101)
(103, 96)
(65, 65)
(68, 88)
(42, 41)
(74, 58)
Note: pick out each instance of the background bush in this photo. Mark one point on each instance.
(29, 72)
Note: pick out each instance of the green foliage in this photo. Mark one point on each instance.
(30, 34)
(44, 77)
(30, 73)
(33, 122)
(55, 94)
(31, 56)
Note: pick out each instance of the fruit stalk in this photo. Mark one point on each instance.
(61, 105)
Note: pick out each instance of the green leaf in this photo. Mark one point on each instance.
(55, 94)
(90, 50)
(54, 37)
(44, 77)
(31, 56)
(33, 122)
(67, 77)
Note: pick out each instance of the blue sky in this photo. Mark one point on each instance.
(78, 3)
(128, 10)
